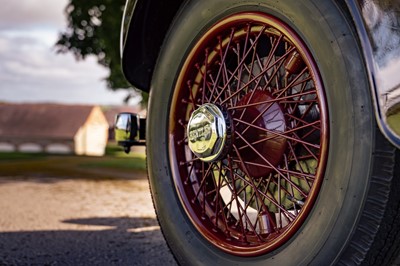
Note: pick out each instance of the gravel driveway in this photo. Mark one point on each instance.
(51, 221)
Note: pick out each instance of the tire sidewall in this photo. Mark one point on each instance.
(336, 211)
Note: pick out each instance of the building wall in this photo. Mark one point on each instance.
(97, 136)
(37, 146)
(58, 148)
(80, 141)
(30, 147)
(91, 138)
(7, 147)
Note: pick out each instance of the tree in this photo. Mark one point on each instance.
(94, 29)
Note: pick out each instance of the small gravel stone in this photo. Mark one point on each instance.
(79, 222)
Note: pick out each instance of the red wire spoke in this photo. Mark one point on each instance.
(242, 62)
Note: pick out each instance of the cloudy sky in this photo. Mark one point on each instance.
(30, 68)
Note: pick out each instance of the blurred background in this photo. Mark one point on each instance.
(51, 52)
(60, 80)
(68, 194)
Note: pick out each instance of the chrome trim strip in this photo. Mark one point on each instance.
(129, 9)
(379, 35)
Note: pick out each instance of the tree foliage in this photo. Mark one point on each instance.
(94, 29)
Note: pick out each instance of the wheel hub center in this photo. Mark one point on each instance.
(208, 130)
(266, 135)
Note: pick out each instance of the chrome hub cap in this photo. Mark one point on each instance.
(208, 131)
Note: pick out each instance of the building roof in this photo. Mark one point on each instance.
(53, 121)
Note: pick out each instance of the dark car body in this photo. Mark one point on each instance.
(376, 23)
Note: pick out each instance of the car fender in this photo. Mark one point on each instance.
(378, 27)
(144, 25)
(376, 22)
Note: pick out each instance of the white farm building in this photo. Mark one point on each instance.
(53, 128)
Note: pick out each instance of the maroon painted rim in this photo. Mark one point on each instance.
(253, 199)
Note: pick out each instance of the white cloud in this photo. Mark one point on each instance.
(30, 68)
(34, 59)
(36, 73)
(32, 13)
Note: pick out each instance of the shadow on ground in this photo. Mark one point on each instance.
(128, 241)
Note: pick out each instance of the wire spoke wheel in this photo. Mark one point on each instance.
(248, 134)
(262, 148)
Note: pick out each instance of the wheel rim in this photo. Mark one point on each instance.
(252, 196)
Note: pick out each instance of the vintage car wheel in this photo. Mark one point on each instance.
(262, 146)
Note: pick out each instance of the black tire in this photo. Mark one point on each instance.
(357, 194)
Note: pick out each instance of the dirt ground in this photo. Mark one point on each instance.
(50, 221)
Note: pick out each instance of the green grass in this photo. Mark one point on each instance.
(10, 156)
(115, 164)
(116, 151)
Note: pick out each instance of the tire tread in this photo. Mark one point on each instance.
(376, 238)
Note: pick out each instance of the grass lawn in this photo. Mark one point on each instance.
(115, 164)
